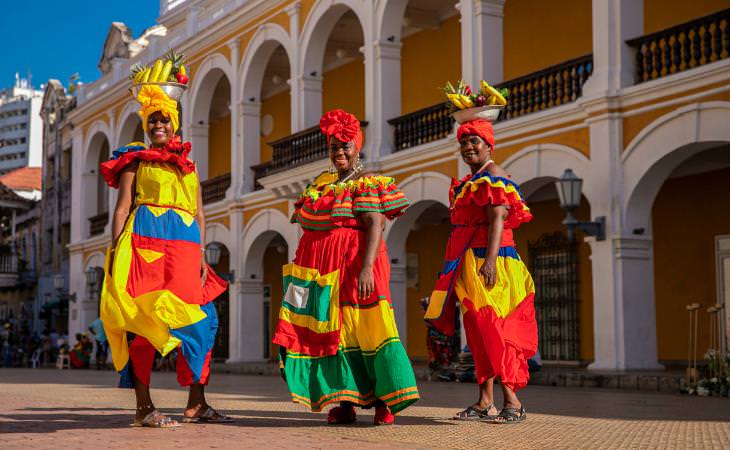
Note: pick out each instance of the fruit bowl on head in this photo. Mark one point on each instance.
(173, 90)
(489, 112)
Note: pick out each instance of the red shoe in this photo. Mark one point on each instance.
(383, 416)
(341, 415)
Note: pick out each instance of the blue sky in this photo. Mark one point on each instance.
(54, 39)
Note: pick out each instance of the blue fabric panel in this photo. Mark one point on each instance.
(198, 339)
(505, 252)
(168, 226)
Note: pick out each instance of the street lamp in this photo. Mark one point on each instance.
(213, 253)
(92, 276)
(569, 187)
(58, 282)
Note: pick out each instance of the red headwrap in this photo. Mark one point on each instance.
(480, 127)
(341, 125)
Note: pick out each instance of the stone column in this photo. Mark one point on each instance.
(251, 320)
(79, 224)
(294, 11)
(308, 90)
(481, 40)
(199, 140)
(251, 129)
(614, 21)
(382, 95)
(235, 336)
(237, 163)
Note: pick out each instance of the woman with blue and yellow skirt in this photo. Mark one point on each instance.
(483, 271)
(158, 290)
(338, 338)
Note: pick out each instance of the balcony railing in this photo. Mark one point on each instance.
(681, 47)
(8, 264)
(98, 223)
(214, 189)
(422, 126)
(538, 91)
(299, 148)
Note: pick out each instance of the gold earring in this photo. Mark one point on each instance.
(330, 168)
(358, 164)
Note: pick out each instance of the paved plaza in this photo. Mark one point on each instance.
(46, 408)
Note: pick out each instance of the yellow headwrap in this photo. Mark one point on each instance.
(153, 99)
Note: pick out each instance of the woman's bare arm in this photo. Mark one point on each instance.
(125, 201)
(496, 216)
(374, 223)
(200, 217)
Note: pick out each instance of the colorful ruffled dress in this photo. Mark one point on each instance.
(500, 324)
(334, 346)
(154, 288)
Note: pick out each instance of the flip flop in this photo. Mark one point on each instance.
(473, 413)
(210, 415)
(156, 419)
(510, 416)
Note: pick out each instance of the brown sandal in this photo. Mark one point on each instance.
(210, 415)
(156, 419)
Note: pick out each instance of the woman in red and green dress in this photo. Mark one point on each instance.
(486, 275)
(336, 329)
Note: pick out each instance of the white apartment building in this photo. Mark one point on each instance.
(21, 129)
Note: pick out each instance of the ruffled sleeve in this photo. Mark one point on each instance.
(484, 190)
(175, 153)
(378, 194)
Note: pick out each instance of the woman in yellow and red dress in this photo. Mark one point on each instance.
(484, 272)
(157, 285)
(336, 329)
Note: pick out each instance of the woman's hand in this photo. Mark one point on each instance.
(203, 269)
(489, 273)
(365, 283)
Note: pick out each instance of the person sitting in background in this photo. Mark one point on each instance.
(80, 355)
(102, 346)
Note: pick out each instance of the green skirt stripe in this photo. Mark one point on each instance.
(353, 376)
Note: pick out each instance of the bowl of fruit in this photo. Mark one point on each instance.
(168, 73)
(466, 105)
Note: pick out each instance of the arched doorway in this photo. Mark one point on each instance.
(221, 349)
(562, 273)
(96, 202)
(131, 130)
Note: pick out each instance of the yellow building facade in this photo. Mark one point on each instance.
(631, 95)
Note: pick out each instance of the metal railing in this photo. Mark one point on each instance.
(553, 86)
(214, 189)
(682, 47)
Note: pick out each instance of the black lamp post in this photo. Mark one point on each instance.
(569, 187)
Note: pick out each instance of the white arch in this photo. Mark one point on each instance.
(99, 126)
(129, 112)
(318, 26)
(199, 87)
(256, 56)
(422, 190)
(543, 162)
(217, 232)
(96, 259)
(257, 235)
(390, 14)
(662, 146)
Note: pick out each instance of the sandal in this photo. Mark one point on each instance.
(210, 415)
(383, 416)
(510, 415)
(473, 413)
(341, 415)
(156, 419)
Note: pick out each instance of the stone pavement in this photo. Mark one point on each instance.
(47, 408)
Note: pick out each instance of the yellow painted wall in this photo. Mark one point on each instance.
(344, 87)
(660, 14)
(684, 261)
(273, 261)
(548, 217)
(249, 214)
(219, 147)
(538, 34)
(279, 106)
(577, 139)
(450, 168)
(423, 74)
(429, 243)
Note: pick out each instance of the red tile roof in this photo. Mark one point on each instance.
(25, 178)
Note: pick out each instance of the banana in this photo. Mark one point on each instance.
(165, 74)
(156, 69)
(146, 75)
(454, 98)
(492, 100)
(489, 90)
(182, 70)
(138, 76)
(466, 101)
